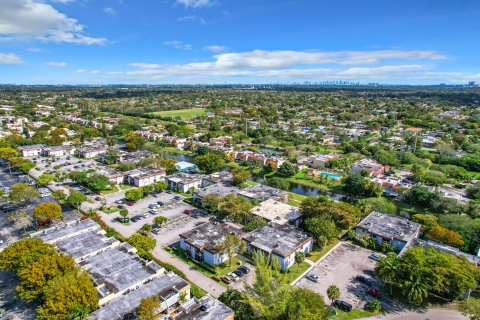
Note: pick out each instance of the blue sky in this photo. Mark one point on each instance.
(238, 41)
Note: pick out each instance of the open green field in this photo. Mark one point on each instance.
(184, 114)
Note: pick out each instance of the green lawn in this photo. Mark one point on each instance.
(296, 270)
(317, 253)
(111, 210)
(177, 151)
(354, 314)
(107, 192)
(295, 199)
(184, 114)
(125, 186)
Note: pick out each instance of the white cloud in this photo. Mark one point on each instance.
(215, 48)
(10, 58)
(80, 71)
(195, 3)
(57, 64)
(300, 65)
(83, 71)
(144, 65)
(36, 50)
(110, 11)
(178, 44)
(24, 19)
(192, 18)
(94, 72)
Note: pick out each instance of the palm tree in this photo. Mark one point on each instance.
(387, 269)
(415, 289)
(333, 292)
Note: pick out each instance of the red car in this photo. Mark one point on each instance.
(374, 293)
(130, 203)
(189, 212)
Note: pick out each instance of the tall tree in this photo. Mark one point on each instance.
(47, 211)
(147, 310)
(333, 292)
(387, 269)
(415, 289)
(230, 245)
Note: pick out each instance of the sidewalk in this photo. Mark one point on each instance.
(212, 287)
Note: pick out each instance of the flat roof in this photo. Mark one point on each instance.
(216, 309)
(117, 269)
(279, 239)
(277, 211)
(85, 243)
(165, 286)
(388, 226)
(262, 192)
(184, 177)
(51, 235)
(220, 189)
(207, 236)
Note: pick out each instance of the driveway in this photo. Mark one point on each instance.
(340, 267)
(212, 287)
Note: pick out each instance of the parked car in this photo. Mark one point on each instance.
(245, 269)
(375, 257)
(7, 207)
(169, 191)
(178, 198)
(343, 305)
(156, 231)
(161, 203)
(362, 279)
(186, 211)
(98, 198)
(153, 211)
(239, 273)
(374, 293)
(234, 276)
(119, 201)
(227, 279)
(313, 277)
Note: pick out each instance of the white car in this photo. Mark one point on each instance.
(234, 276)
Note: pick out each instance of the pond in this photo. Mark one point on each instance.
(271, 151)
(296, 188)
(180, 157)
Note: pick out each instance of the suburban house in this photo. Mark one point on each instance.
(58, 151)
(90, 152)
(120, 276)
(114, 176)
(278, 212)
(320, 160)
(396, 231)
(184, 181)
(280, 241)
(31, 151)
(262, 192)
(369, 165)
(205, 308)
(202, 243)
(144, 177)
(220, 189)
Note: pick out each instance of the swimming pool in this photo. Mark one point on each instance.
(330, 175)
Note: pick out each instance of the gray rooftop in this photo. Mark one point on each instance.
(262, 192)
(191, 309)
(207, 236)
(220, 189)
(390, 227)
(85, 244)
(55, 234)
(165, 286)
(186, 178)
(117, 269)
(279, 239)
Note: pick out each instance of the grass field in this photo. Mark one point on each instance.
(184, 114)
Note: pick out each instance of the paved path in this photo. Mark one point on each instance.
(430, 314)
(212, 287)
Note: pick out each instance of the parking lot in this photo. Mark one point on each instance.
(340, 268)
(173, 210)
(64, 164)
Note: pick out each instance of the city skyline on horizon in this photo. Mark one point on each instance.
(217, 42)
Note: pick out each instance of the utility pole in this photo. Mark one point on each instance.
(246, 126)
